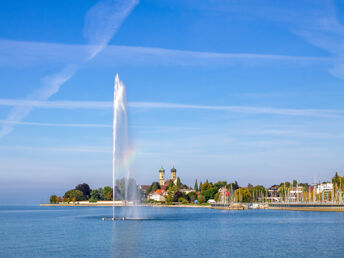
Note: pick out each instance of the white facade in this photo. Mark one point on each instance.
(327, 187)
(156, 197)
(186, 191)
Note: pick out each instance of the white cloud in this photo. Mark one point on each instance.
(28, 104)
(102, 21)
(38, 53)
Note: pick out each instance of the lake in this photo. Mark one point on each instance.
(34, 231)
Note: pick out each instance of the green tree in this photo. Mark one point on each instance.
(243, 195)
(220, 184)
(217, 197)
(53, 199)
(95, 196)
(109, 195)
(192, 196)
(258, 192)
(200, 186)
(201, 199)
(76, 195)
(171, 194)
(148, 190)
(294, 183)
(179, 184)
(233, 186)
(85, 189)
(209, 193)
(106, 191)
(206, 186)
(170, 184)
(183, 200)
(155, 186)
(196, 186)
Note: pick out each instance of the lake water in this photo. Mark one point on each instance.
(168, 232)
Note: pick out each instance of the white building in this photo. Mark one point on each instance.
(326, 187)
(186, 191)
(157, 196)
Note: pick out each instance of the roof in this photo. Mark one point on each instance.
(161, 169)
(160, 191)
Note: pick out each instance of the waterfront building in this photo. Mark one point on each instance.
(158, 195)
(161, 176)
(186, 191)
(325, 187)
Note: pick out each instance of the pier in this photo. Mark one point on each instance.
(307, 206)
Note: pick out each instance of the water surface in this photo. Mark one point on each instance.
(33, 231)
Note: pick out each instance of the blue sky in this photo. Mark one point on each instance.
(235, 90)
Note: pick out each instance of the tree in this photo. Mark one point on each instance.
(196, 186)
(53, 199)
(179, 184)
(177, 195)
(220, 184)
(206, 186)
(192, 196)
(183, 200)
(200, 186)
(171, 192)
(170, 184)
(155, 186)
(58, 199)
(67, 200)
(101, 193)
(243, 195)
(294, 183)
(217, 196)
(109, 195)
(201, 199)
(148, 190)
(85, 189)
(209, 193)
(106, 191)
(233, 186)
(95, 196)
(76, 195)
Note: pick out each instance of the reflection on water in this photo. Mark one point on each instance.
(168, 232)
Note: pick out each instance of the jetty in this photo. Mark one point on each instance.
(231, 206)
(307, 206)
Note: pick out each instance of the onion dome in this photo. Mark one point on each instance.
(161, 169)
(173, 169)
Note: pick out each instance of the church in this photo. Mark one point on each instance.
(162, 181)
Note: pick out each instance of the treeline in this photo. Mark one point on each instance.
(125, 189)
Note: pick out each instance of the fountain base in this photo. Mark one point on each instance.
(113, 218)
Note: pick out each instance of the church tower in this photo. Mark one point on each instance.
(161, 176)
(174, 175)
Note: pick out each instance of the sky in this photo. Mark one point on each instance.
(246, 90)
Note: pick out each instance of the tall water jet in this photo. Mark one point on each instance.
(120, 144)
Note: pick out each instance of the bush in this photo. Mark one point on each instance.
(183, 200)
(201, 199)
(53, 199)
(85, 189)
(74, 195)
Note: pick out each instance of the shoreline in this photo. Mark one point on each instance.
(121, 205)
(289, 207)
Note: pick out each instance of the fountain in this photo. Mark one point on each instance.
(122, 189)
